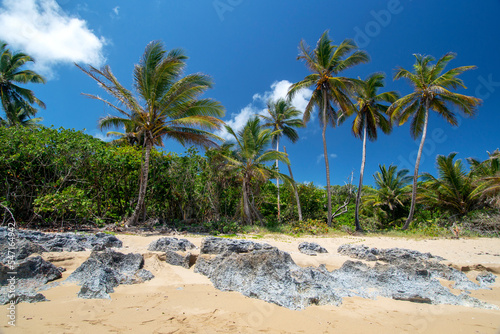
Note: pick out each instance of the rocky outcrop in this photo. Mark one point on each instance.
(59, 242)
(103, 271)
(179, 259)
(311, 248)
(214, 245)
(486, 279)
(23, 281)
(172, 244)
(264, 272)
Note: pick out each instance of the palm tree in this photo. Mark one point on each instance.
(166, 105)
(455, 190)
(282, 118)
(325, 62)
(17, 115)
(392, 189)
(431, 92)
(369, 117)
(487, 174)
(248, 160)
(13, 96)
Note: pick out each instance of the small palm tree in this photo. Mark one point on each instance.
(369, 117)
(455, 190)
(17, 115)
(325, 62)
(431, 92)
(487, 174)
(167, 105)
(248, 160)
(16, 100)
(282, 119)
(392, 190)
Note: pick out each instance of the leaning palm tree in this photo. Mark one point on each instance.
(166, 105)
(282, 118)
(431, 92)
(370, 116)
(11, 74)
(325, 62)
(248, 161)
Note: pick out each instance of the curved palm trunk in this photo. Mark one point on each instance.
(361, 173)
(417, 164)
(277, 180)
(247, 214)
(142, 188)
(327, 164)
(299, 208)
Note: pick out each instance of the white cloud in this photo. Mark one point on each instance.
(116, 10)
(321, 157)
(43, 30)
(103, 136)
(278, 90)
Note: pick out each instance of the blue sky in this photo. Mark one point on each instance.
(250, 47)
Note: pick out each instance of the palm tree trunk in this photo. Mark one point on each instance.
(143, 185)
(277, 180)
(417, 164)
(299, 208)
(247, 214)
(327, 164)
(361, 173)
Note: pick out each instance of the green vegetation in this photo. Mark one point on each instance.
(56, 177)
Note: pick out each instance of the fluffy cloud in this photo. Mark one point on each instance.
(278, 90)
(321, 157)
(43, 30)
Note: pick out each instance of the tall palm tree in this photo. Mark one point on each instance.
(392, 189)
(248, 160)
(325, 62)
(431, 92)
(369, 117)
(166, 105)
(282, 116)
(11, 74)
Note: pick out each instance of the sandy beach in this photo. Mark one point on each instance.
(178, 300)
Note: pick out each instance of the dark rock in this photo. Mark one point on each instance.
(214, 245)
(102, 271)
(28, 276)
(172, 244)
(311, 248)
(22, 250)
(177, 259)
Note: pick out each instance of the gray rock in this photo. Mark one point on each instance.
(486, 279)
(214, 245)
(172, 244)
(271, 275)
(311, 248)
(102, 271)
(29, 276)
(22, 250)
(177, 259)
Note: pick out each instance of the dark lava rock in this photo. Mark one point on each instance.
(172, 244)
(214, 245)
(29, 275)
(22, 250)
(176, 259)
(102, 271)
(311, 248)
(271, 275)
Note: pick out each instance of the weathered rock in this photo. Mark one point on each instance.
(58, 242)
(27, 276)
(22, 250)
(486, 279)
(102, 271)
(412, 261)
(172, 244)
(311, 248)
(214, 245)
(177, 259)
(271, 275)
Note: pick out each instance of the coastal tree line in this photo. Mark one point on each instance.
(130, 179)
